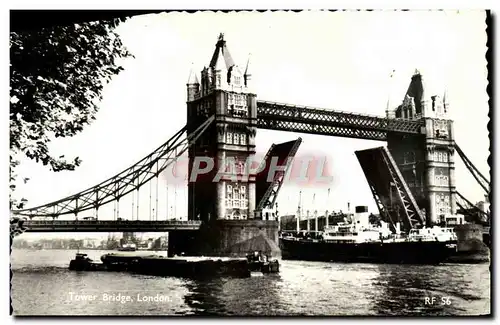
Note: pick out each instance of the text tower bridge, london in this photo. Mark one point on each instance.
(412, 179)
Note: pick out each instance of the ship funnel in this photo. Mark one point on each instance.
(361, 216)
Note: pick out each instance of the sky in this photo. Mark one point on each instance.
(339, 60)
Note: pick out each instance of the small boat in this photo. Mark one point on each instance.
(83, 263)
(259, 262)
(129, 247)
(80, 263)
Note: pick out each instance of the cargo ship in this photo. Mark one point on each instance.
(359, 241)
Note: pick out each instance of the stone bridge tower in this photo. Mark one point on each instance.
(224, 199)
(225, 92)
(426, 160)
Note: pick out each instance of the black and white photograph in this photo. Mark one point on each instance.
(264, 163)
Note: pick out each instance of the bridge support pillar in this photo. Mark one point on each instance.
(234, 238)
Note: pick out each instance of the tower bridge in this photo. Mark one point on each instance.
(412, 179)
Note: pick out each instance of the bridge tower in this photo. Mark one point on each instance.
(224, 199)
(426, 161)
(224, 91)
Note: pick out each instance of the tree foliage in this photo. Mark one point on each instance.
(57, 75)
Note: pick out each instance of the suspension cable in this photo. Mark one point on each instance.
(175, 202)
(133, 201)
(123, 183)
(482, 181)
(166, 187)
(137, 216)
(157, 181)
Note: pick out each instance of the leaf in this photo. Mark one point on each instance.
(56, 74)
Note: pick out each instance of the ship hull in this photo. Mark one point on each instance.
(425, 252)
(127, 249)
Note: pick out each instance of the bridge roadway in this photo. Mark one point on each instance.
(109, 225)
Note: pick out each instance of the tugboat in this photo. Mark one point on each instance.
(83, 263)
(259, 262)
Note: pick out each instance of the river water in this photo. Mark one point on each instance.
(43, 285)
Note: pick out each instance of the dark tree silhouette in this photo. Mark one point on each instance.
(57, 75)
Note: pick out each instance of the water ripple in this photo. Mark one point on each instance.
(42, 285)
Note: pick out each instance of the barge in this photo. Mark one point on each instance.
(178, 266)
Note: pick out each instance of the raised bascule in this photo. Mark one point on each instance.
(231, 211)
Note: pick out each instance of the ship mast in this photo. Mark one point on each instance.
(315, 214)
(299, 212)
(327, 202)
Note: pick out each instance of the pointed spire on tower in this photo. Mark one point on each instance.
(247, 68)
(445, 101)
(193, 79)
(193, 85)
(423, 95)
(221, 51)
(388, 106)
(389, 109)
(417, 90)
(247, 76)
(219, 64)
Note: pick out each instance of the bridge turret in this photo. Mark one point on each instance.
(445, 102)
(422, 98)
(414, 102)
(248, 73)
(220, 72)
(193, 86)
(390, 109)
